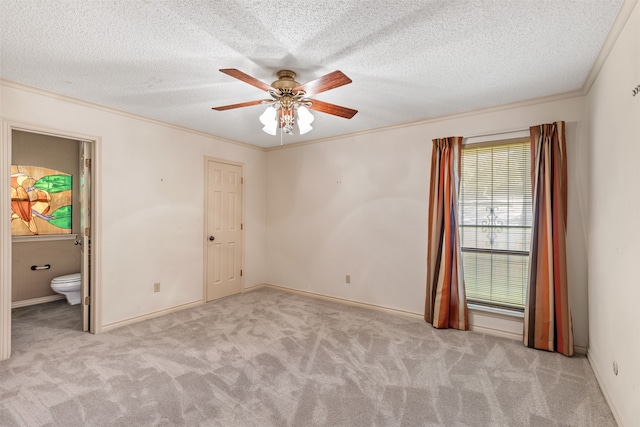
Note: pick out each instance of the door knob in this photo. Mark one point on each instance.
(211, 238)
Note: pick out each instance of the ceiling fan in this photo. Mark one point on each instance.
(289, 99)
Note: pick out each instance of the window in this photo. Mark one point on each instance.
(495, 222)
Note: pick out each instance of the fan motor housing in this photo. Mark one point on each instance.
(286, 81)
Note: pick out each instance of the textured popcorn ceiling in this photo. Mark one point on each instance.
(409, 60)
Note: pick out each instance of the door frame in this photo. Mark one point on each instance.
(205, 245)
(7, 127)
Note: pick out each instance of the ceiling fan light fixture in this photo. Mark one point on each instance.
(305, 118)
(270, 129)
(304, 115)
(290, 100)
(268, 119)
(304, 128)
(269, 116)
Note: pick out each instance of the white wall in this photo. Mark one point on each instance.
(355, 205)
(152, 201)
(358, 206)
(614, 234)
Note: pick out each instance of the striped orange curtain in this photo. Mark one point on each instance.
(547, 320)
(446, 303)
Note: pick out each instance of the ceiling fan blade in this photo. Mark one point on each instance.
(336, 110)
(246, 78)
(324, 83)
(242, 104)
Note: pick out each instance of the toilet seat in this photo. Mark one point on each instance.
(68, 285)
(67, 279)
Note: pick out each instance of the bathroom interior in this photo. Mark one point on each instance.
(46, 267)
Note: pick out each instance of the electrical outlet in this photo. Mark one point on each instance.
(156, 287)
(347, 278)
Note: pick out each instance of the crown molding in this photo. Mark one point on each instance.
(616, 28)
(510, 106)
(77, 101)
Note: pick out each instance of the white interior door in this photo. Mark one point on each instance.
(84, 237)
(223, 230)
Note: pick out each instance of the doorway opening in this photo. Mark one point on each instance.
(49, 179)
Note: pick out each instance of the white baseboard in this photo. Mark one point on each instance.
(514, 336)
(346, 301)
(34, 301)
(476, 328)
(580, 350)
(496, 332)
(591, 357)
(254, 287)
(496, 317)
(116, 325)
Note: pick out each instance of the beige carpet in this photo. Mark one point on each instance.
(273, 358)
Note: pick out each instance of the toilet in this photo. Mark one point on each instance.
(69, 286)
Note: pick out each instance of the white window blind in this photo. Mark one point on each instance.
(495, 222)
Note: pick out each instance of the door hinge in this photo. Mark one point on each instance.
(87, 163)
(240, 273)
(87, 231)
(87, 300)
(241, 180)
(241, 226)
